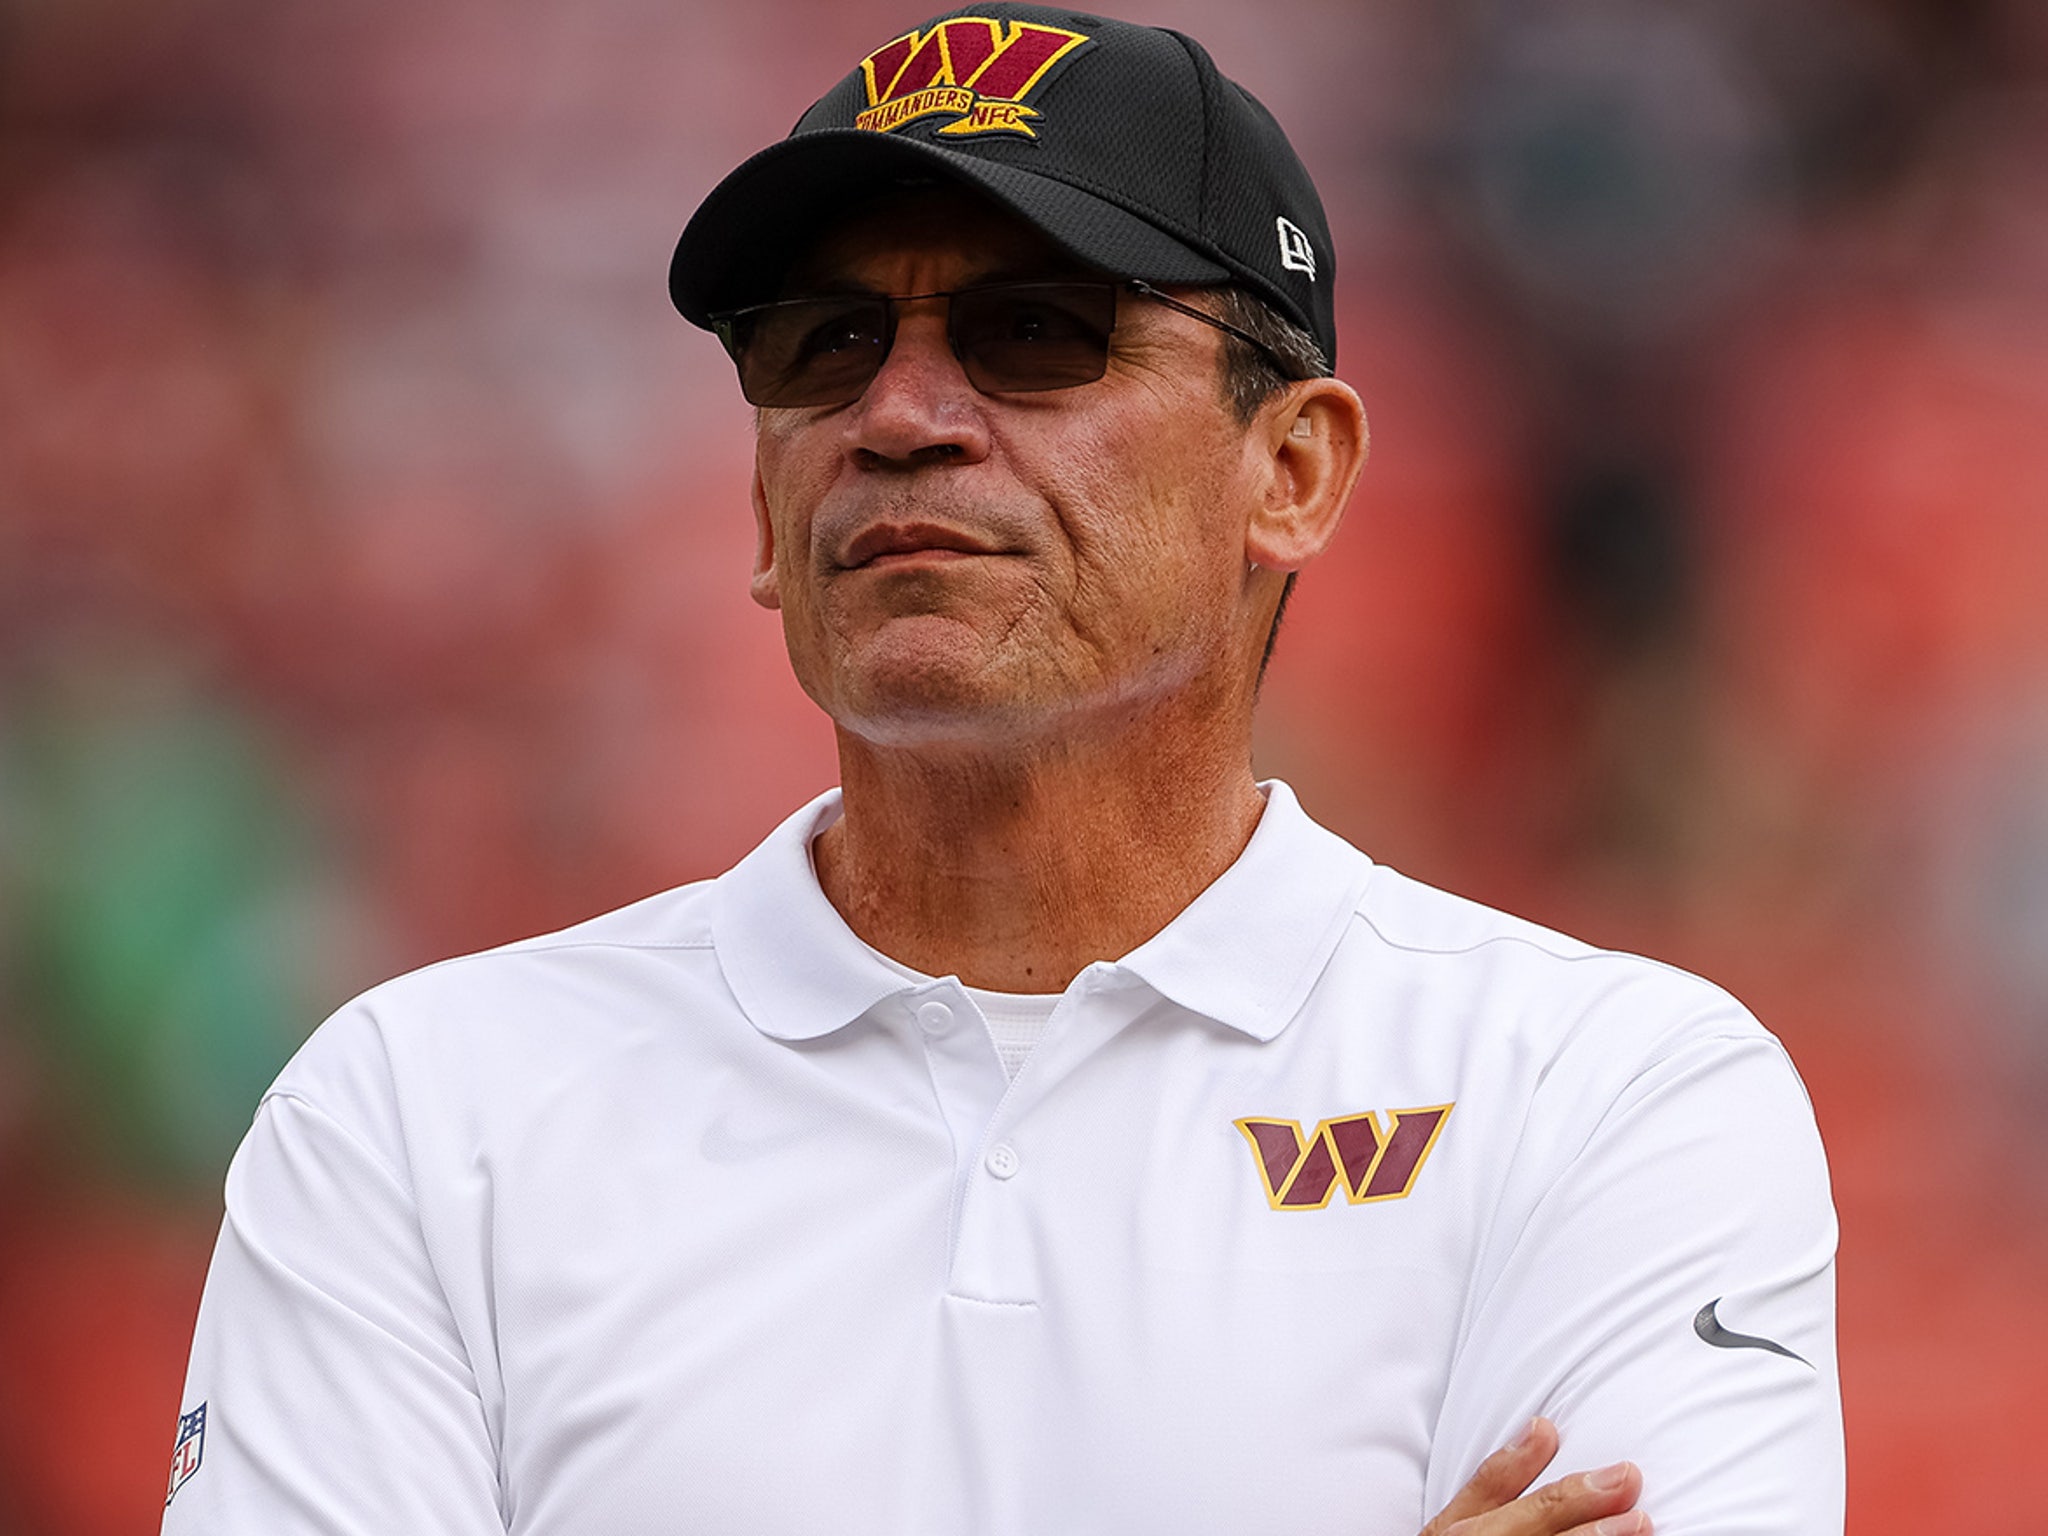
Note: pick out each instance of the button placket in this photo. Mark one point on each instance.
(972, 1090)
(990, 1239)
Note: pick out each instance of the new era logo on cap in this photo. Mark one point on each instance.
(1296, 254)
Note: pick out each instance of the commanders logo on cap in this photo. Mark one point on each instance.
(978, 69)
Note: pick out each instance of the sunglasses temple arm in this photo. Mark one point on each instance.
(1140, 286)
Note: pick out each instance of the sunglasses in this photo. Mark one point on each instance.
(1010, 338)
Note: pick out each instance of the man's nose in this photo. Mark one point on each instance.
(920, 407)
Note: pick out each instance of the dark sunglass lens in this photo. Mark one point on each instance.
(811, 351)
(1032, 336)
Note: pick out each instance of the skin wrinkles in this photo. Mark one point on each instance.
(1060, 628)
(1035, 619)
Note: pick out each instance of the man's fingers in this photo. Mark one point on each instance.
(1598, 1503)
(1501, 1477)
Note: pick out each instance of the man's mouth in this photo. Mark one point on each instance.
(893, 543)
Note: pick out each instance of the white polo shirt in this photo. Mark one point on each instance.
(702, 1218)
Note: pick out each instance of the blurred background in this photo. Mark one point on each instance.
(373, 543)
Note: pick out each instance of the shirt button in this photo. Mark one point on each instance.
(934, 1017)
(1003, 1161)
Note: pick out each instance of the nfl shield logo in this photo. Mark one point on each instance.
(191, 1444)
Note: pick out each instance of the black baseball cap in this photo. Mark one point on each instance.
(1122, 143)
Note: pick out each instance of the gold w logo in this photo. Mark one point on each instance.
(975, 67)
(1372, 1160)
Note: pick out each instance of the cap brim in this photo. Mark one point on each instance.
(744, 234)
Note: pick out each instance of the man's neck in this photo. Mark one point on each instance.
(1015, 874)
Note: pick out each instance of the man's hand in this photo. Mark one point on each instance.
(1598, 1503)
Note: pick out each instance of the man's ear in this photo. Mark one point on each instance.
(764, 588)
(1315, 437)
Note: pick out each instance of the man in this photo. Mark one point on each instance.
(1054, 1130)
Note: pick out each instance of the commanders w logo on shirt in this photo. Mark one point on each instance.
(974, 67)
(1370, 1159)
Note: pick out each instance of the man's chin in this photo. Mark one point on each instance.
(917, 676)
(937, 718)
(940, 702)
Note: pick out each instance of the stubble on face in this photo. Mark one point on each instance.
(981, 570)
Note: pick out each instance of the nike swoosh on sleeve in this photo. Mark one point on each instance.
(1709, 1328)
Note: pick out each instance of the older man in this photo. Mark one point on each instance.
(1053, 1131)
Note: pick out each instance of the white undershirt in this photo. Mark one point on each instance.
(1016, 1020)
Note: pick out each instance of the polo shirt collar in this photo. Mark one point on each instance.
(1245, 952)
(796, 968)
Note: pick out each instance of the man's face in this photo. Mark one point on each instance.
(985, 569)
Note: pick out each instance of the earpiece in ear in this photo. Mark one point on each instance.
(1301, 428)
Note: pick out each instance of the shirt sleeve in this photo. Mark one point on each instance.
(1664, 1291)
(339, 1397)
